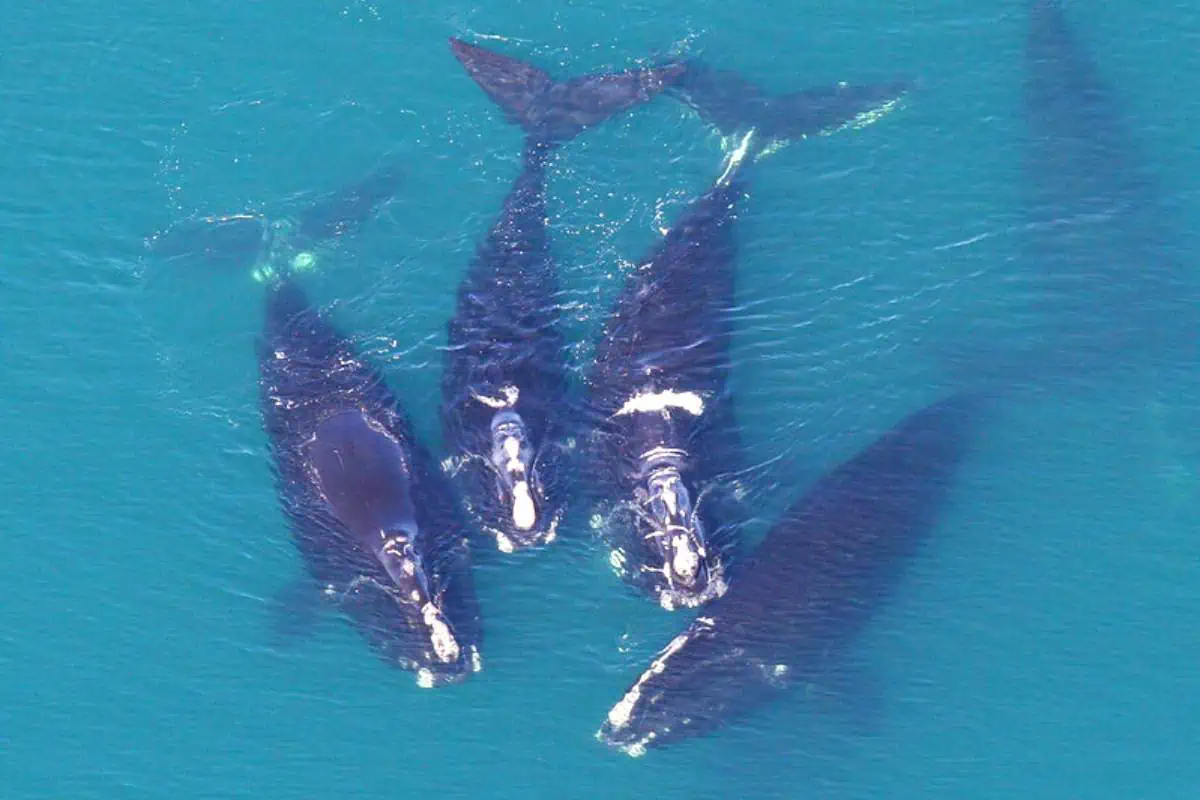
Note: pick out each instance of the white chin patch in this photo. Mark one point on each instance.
(512, 447)
(686, 560)
(444, 644)
(523, 513)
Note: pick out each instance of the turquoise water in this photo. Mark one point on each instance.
(1044, 645)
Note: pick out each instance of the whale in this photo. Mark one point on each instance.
(662, 450)
(661, 427)
(820, 575)
(1102, 283)
(1103, 239)
(378, 525)
(506, 414)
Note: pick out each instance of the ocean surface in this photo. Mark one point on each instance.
(1043, 645)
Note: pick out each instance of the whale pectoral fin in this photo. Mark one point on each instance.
(850, 693)
(295, 611)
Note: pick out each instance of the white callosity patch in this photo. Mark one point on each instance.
(503, 542)
(669, 498)
(506, 545)
(507, 399)
(523, 512)
(649, 402)
(686, 560)
(512, 449)
(670, 599)
(303, 262)
(444, 643)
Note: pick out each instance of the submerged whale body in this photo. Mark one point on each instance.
(348, 208)
(812, 585)
(663, 449)
(1102, 283)
(234, 242)
(505, 411)
(1103, 241)
(376, 522)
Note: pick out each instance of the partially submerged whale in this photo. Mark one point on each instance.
(812, 585)
(1101, 235)
(376, 521)
(662, 430)
(505, 411)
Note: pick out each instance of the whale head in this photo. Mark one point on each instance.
(673, 533)
(522, 515)
(693, 686)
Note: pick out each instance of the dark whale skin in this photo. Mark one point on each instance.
(314, 385)
(816, 580)
(507, 420)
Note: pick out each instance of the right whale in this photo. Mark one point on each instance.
(816, 580)
(505, 412)
(1102, 263)
(376, 522)
(662, 447)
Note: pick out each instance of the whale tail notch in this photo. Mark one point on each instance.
(552, 111)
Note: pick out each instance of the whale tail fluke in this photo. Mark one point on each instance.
(233, 242)
(733, 106)
(349, 208)
(551, 111)
(270, 248)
